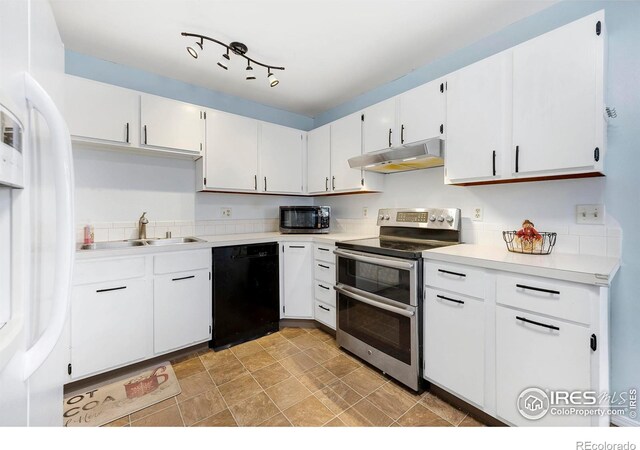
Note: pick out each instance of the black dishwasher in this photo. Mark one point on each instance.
(246, 294)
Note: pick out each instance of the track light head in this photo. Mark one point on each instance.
(249, 69)
(273, 81)
(192, 51)
(224, 61)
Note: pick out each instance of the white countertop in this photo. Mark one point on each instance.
(595, 270)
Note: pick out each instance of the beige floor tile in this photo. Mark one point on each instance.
(245, 349)
(320, 334)
(391, 401)
(221, 419)
(211, 359)
(340, 366)
(223, 373)
(316, 378)
(335, 423)
(121, 422)
(254, 410)
(271, 339)
(345, 392)
(194, 385)
(279, 420)
(363, 381)
(290, 332)
(270, 375)
(153, 409)
(239, 389)
(329, 398)
(168, 417)
(288, 393)
(185, 367)
(443, 409)
(470, 422)
(282, 350)
(364, 415)
(305, 341)
(298, 363)
(419, 416)
(322, 352)
(201, 406)
(310, 412)
(257, 361)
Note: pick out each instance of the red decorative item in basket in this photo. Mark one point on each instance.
(528, 240)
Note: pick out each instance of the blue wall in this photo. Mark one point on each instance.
(140, 80)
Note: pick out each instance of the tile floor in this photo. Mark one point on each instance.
(296, 377)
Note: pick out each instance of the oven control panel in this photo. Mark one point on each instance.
(435, 218)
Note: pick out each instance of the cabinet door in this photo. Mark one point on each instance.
(479, 119)
(171, 125)
(319, 160)
(532, 355)
(101, 111)
(346, 142)
(298, 280)
(281, 150)
(557, 83)
(379, 123)
(454, 325)
(422, 112)
(231, 156)
(111, 325)
(181, 310)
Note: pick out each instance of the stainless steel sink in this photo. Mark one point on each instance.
(171, 241)
(112, 245)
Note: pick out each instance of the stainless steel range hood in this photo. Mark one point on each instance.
(419, 155)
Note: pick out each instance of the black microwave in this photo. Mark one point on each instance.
(305, 219)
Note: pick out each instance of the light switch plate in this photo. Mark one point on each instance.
(590, 214)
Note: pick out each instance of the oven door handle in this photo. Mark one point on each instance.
(375, 260)
(360, 298)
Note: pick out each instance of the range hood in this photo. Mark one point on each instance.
(419, 155)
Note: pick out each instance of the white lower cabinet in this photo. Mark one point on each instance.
(111, 325)
(297, 280)
(324, 281)
(454, 349)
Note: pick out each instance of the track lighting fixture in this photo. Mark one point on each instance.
(237, 48)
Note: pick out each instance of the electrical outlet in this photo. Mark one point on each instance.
(225, 212)
(590, 214)
(365, 211)
(477, 215)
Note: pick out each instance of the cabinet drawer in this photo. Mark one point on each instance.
(454, 277)
(182, 261)
(325, 314)
(556, 298)
(324, 292)
(105, 270)
(325, 271)
(324, 253)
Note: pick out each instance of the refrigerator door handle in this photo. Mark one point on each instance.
(39, 100)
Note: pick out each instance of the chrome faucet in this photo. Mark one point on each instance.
(142, 226)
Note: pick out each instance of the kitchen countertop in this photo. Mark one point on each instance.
(222, 240)
(594, 270)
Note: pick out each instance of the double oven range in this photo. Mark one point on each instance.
(380, 288)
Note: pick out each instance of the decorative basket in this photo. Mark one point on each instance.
(530, 246)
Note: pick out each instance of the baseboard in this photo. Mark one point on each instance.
(622, 421)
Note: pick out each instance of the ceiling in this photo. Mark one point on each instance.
(332, 50)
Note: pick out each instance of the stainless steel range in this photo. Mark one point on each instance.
(379, 288)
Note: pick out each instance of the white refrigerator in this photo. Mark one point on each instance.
(36, 217)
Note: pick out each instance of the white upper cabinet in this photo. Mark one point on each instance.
(346, 142)
(171, 125)
(378, 127)
(479, 121)
(101, 112)
(231, 157)
(281, 159)
(319, 160)
(422, 112)
(558, 100)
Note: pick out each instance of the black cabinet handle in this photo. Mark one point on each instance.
(111, 289)
(323, 266)
(402, 134)
(183, 278)
(145, 134)
(494, 163)
(389, 137)
(517, 158)
(322, 307)
(265, 184)
(448, 272)
(333, 183)
(324, 287)
(326, 184)
(531, 288)
(296, 246)
(323, 249)
(450, 299)
(255, 182)
(127, 129)
(533, 322)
